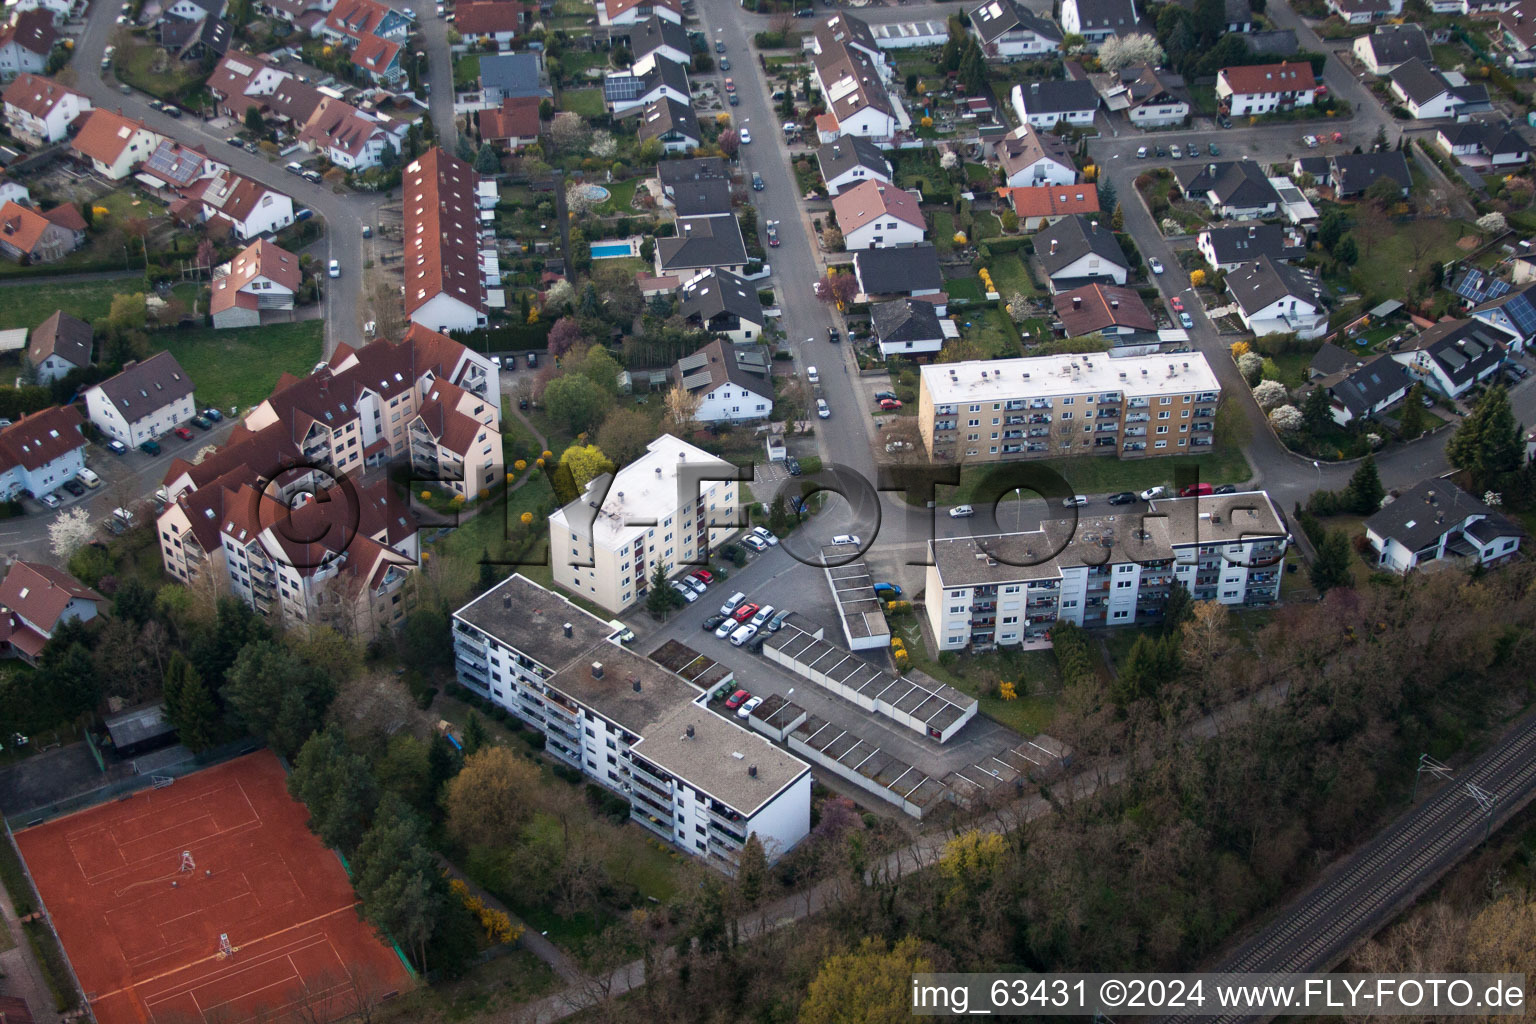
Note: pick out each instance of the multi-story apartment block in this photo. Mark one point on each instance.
(695, 779)
(1110, 570)
(1049, 406)
(670, 507)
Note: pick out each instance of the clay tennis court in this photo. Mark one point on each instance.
(142, 928)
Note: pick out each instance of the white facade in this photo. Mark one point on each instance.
(1244, 104)
(1044, 171)
(444, 313)
(1090, 266)
(52, 126)
(670, 507)
(1443, 104)
(884, 232)
(853, 175)
(44, 478)
(870, 123)
(153, 423)
(15, 59)
(1159, 115)
(731, 403)
(1288, 313)
(1045, 120)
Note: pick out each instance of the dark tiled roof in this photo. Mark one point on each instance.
(905, 268)
(1257, 284)
(1374, 382)
(1428, 509)
(906, 320)
(666, 116)
(1462, 348)
(703, 242)
(1242, 243)
(720, 291)
(718, 360)
(849, 151)
(1396, 44)
(1353, 173)
(62, 335)
(1059, 96)
(1418, 81)
(144, 387)
(1076, 237)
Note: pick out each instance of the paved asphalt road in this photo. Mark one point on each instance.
(1363, 892)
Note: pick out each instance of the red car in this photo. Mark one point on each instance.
(183, 433)
(703, 576)
(1177, 304)
(736, 699)
(1197, 490)
(745, 612)
(890, 404)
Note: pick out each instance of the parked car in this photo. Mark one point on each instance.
(1156, 491)
(704, 574)
(742, 635)
(1175, 152)
(50, 499)
(1123, 498)
(89, 478)
(961, 512)
(1213, 149)
(334, 269)
(74, 487)
(685, 591)
(822, 409)
(213, 414)
(725, 63)
(1141, 154)
(812, 375)
(1156, 265)
(294, 168)
(730, 86)
(171, 111)
(890, 404)
(150, 447)
(746, 136)
(1196, 490)
(833, 336)
(1226, 489)
(881, 396)
(846, 538)
(887, 590)
(183, 433)
(712, 623)
(719, 46)
(115, 446)
(725, 627)
(763, 615)
(1186, 321)
(765, 535)
(735, 700)
(757, 182)
(754, 542)
(745, 612)
(202, 423)
(695, 584)
(773, 234)
(792, 466)
(1177, 304)
(732, 603)
(731, 97)
(745, 711)
(1075, 501)
(777, 622)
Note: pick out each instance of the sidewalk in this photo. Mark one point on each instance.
(23, 977)
(531, 939)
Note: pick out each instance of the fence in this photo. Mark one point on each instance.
(132, 784)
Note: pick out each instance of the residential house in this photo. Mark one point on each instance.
(1077, 251)
(1435, 520)
(663, 79)
(445, 286)
(658, 37)
(1351, 174)
(145, 401)
(500, 21)
(1363, 12)
(723, 303)
(1227, 248)
(196, 38)
(351, 138)
(515, 124)
(40, 451)
(26, 41)
(1483, 147)
(35, 600)
(59, 344)
(15, 192)
(305, 14)
(113, 144)
(172, 169)
(1453, 355)
(732, 383)
(1517, 38)
(670, 508)
(1233, 189)
(1005, 28)
(1236, 16)
(456, 441)
(634, 12)
(698, 187)
(36, 237)
(1363, 390)
(674, 125)
(262, 277)
(1043, 105)
(1265, 88)
(852, 75)
(1277, 298)
(1044, 205)
(1150, 97)
(901, 271)
(697, 780)
(39, 110)
(1514, 313)
(1388, 47)
(872, 215)
(1427, 93)
(1097, 20)
(514, 76)
(702, 243)
(1274, 43)
(851, 159)
(1104, 309)
(243, 80)
(248, 207)
(909, 328)
(373, 33)
(1049, 406)
(1029, 157)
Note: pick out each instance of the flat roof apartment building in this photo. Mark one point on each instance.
(693, 778)
(1110, 570)
(669, 507)
(1050, 406)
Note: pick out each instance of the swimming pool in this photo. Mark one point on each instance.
(615, 248)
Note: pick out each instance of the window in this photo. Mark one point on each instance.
(1165, 401)
(1162, 430)
(1123, 584)
(1121, 614)
(1161, 444)
(1068, 401)
(1164, 415)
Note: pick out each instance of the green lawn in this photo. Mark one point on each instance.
(575, 62)
(1383, 270)
(30, 304)
(132, 64)
(1292, 368)
(239, 366)
(991, 329)
(985, 225)
(944, 230)
(980, 174)
(1099, 474)
(586, 102)
(1032, 672)
(458, 555)
(963, 288)
(1010, 275)
(466, 71)
(621, 195)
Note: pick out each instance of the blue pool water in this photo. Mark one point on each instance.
(609, 250)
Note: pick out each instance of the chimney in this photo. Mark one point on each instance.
(1211, 170)
(1053, 247)
(687, 229)
(1077, 302)
(1114, 303)
(752, 770)
(597, 670)
(566, 629)
(634, 682)
(1252, 230)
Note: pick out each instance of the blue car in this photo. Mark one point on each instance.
(887, 590)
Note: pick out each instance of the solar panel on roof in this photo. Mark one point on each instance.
(697, 361)
(696, 380)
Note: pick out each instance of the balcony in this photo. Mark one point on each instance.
(1134, 446)
(1104, 442)
(1040, 403)
(1012, 435)
(1138, 417)
(1110, 396)
(660, 807)
(1010, 406)
(1039, 432)
(1012, 421)
(726, 836)
(651, 774)
(664, 831)
(1104, 428)
(1139, 403)
(1207, 396)
(1038, 446)
(1203, 427)
(1202, 442)
(1108, 414)
(1205, 414)
(1040, 417)
(639, 784)
(1135, 431)
(570, 755)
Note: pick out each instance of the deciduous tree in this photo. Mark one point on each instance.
(682, 408)
(870, 985)
(1124, 51)
(70, 531)
(492, 798)
(576, 402)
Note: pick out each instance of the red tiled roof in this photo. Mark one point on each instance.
(36, 95)
(1287, 76)
(516, 118)
(356, 18)
(618, 7)
(36, 440)
(341, 125)
(374, 54)
(1100, 306)
(442, 232)
(488, 17)
(868, 200)
(1052, 200)
(105, 134)
(66, 216)
(20, 227)
(40, 593)
(261, 259)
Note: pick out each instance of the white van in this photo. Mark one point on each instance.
(846, 538)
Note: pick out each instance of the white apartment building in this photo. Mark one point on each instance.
(1049, 406)
(1110, 570)
(695, 779)
(145, 401)
(670, 507)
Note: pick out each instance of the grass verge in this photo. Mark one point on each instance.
(239, 366)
